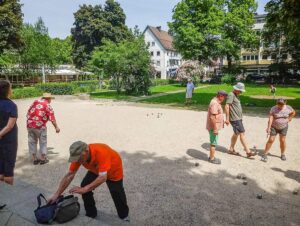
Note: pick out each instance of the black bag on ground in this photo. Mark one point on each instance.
(67, 208)
(44, 214)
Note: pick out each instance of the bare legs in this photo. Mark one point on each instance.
(212, 151)
(242, 139)
(8, 180)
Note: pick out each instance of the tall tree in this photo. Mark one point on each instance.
(207, 29)
(282, 31)
(126, 63)
(94, 24)
(10, 24)
(62, 50)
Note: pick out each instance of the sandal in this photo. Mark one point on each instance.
(35, 162)
(234, 153)
(214, 161)
(250, 154)
(42, 162)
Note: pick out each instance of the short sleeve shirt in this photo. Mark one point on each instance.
(215, 108)
(235, 110)
(39, 113)
(103, 160)
(8, 109)
(281, 116)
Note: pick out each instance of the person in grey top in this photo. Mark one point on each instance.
(189, 91)
(234, 116)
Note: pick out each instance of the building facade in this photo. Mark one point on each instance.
(257, 61)
(164, 58)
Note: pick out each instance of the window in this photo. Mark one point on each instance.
(248, 57)
(153, 43)
(148, 43)
(256, 57)
(273, 56)
(265, 57)
(252, 57)
(158, 53)
(152, 54)
(158, 63)
(244, 58)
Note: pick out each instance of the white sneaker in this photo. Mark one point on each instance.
(126, 219)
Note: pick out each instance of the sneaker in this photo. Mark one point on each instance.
(283, 158)
(214, 161)
(126, 219)
(264, 158)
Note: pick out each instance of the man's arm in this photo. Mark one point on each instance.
(9, 126)
(57, 129)
(89, 187)
(213, 119)
(227, 108)
(64, 183)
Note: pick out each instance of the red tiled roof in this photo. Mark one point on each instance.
(164, 37)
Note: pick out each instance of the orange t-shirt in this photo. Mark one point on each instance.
(103, 159)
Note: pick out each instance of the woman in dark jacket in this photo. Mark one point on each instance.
(8, 133)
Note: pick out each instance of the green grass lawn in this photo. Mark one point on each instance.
(203, 96)
(166, 88)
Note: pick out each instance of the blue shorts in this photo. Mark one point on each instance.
(8, 155)
(237, 127)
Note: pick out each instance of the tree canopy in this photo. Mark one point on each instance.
(93, 25)
(282, 29)
(127, 63)
(10, 25)
(207, 29)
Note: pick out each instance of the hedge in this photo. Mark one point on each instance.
(26, 92)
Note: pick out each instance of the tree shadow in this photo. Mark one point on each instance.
(292, 174)
(172, 191)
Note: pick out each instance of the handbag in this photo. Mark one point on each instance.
(44, 214)
(67, 208)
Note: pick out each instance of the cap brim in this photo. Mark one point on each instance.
(74, 158)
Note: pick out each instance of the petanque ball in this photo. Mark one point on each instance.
(239, 176)
(259, 196)
(197, 164)
(245, 182)
(295, 192)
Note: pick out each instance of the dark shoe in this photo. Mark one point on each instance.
(283, 158)
(264, 158)
(91, 215)
(42, 162)
(214, 161)
(35, 162)
(250, 154)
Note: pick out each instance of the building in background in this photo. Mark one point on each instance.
(165, 59)
(256, 62)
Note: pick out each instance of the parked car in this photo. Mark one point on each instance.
(256, 78)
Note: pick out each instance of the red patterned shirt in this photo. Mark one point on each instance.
(39, 113)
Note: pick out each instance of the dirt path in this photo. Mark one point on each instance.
(159, 148)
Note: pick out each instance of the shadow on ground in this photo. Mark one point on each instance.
(162, 191)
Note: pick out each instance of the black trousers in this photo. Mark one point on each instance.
(117, 193)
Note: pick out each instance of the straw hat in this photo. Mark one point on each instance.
(47, 96)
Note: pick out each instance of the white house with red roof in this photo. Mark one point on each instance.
(165, 59)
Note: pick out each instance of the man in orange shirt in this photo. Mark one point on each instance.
(103, 165)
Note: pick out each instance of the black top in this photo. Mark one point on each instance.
(8, 109)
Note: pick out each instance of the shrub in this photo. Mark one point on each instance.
(228, 79)
(26, 92)
(57, 88)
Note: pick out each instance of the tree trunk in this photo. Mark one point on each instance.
(43, 73)
(118, 84)
(229, 62)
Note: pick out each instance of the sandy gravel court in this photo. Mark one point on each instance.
(160, 147)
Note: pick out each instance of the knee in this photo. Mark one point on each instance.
(271, 141)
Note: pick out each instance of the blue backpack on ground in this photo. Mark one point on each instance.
(63, 210)
(44, 214)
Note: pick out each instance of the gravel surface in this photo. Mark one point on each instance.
(160, 148)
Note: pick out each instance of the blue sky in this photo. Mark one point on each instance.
(58, 14)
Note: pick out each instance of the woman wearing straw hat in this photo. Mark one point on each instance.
(39, 113)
